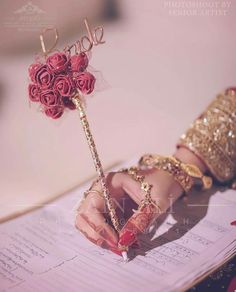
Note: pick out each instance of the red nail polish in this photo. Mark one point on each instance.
(115, 250)
(127, 238)
(233, 223)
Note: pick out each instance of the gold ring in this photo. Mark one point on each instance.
(93, 191)
(85, 196)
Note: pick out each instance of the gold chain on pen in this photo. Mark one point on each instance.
(83, 118)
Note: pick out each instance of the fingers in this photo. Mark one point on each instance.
(164, 192)
(92, 215)
(131, 187)
(93, 212)
(92, 224)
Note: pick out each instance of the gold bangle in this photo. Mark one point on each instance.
(183, 173)
(212, 137)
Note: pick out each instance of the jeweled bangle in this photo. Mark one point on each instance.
(212, 137)
(183, 173)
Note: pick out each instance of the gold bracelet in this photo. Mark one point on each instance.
(183, 173)
(212, 137)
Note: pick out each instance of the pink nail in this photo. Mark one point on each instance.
(127, 238)
(233, 223)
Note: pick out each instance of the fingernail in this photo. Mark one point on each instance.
(115, 250)
(233, 223)
(127, 238)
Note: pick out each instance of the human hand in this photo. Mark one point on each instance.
(93, 219)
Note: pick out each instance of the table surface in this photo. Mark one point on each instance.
(161, 70)
(223, 279)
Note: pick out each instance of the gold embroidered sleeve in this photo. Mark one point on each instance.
(212, 136)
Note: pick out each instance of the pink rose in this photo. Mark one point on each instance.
(34, 92)
(79, 62)
(68, 103)
(32, 69)
(54, 112)
(64, 85)
(58, 62)
(43, 76)
(85, 82)
(49, 98)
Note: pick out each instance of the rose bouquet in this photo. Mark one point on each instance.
(57, 80)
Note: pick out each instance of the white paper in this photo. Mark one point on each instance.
(42, 250)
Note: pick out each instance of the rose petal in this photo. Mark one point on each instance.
(34, 92)
(58, 62)
(85, 82)
(54, 112)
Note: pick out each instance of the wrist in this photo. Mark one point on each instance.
(212, 137)
(187, 156)
(174, 178)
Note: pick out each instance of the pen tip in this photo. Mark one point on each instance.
(125, 256)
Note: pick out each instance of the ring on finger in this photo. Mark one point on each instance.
(86, 193)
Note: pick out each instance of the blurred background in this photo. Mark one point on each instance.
(163, 62)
